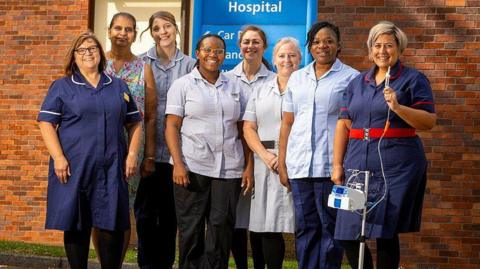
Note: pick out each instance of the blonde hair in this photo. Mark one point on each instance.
(386, 28)
(286, 40)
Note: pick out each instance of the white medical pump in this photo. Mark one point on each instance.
(346, 198)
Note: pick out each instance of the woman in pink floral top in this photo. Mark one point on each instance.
(138, 75)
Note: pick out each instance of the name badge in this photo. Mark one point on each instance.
(126, 97)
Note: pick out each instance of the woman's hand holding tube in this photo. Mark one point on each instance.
(417, 118)
(391, 98)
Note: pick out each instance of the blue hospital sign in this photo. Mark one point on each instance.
(278, 18)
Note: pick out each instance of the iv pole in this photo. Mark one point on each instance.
(361, 252)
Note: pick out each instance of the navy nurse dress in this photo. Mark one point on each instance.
(91, 132)
(403, 155)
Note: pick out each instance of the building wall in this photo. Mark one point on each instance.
(34, 37)
(444, 43)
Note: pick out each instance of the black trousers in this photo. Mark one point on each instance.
(156, 221)
(206, 200)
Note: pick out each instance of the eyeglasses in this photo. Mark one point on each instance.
(327, 42)
(83, 51)
(215, 51)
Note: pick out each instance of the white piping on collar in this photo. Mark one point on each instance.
(109, 79)
(78, 83)
(81, 83)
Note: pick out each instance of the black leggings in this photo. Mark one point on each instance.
(77, 246)
(388, 253)
(267, 249)
(239, 248)
(273, 247)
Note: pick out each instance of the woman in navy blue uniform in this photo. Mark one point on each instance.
(373, 113)
(82, 122)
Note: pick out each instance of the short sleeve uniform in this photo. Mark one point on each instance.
(271, 205)
(164, 76)
(91, 132)
(238, 77)
(403, 157)
(210, 142)
(315, 104)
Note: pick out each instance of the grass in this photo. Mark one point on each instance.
(52, 251)
(131, 256)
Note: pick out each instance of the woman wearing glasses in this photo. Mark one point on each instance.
(310, 112)
(82, 121)
(204, 111)
(251, 73)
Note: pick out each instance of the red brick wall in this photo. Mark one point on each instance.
(34, 36)
(444, 43)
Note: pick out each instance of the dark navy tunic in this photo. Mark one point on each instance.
(403, 158)
(91, 132)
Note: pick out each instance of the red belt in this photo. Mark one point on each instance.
(368, 133)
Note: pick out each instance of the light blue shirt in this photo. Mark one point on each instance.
(236, 75)
(211, 145)
(316, 105)
(164, 76)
